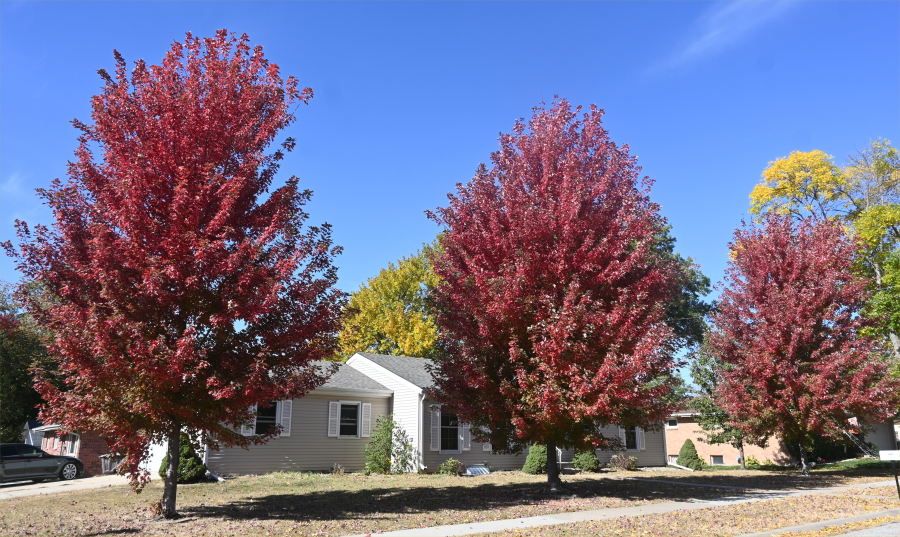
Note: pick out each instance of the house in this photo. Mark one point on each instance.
(332, 425)
(87, 447)
(681, 426)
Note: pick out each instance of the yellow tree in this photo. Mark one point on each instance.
(389, 313)
(865, 196)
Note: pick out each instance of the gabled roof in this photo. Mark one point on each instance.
(406, 367)
(347, 378)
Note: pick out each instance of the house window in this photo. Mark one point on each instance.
(717, 460)
(349, 420)
(449, 432)
(673, 458)
(672, 424)
(74, 441)
(266, 418)
(631, 438)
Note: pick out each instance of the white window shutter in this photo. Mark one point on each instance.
(639, 432)
(622, 437)
(435, 428)
(465, 434)
(334, 416)
(287, 406)
(250, 430)
(366, 421)
(486, 447)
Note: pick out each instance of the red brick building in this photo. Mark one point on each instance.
(683, 425)
(86, 447)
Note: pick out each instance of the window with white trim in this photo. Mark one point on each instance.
(349, 419)
(717, 460)
(266, 418)
(672, 423)
(449, 432)
(632, 438)
(349, 424)
(673, 458)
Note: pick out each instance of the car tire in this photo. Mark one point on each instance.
(37, 480)
(69, 471)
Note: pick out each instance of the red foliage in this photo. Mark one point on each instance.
(788, 328)
(552, 298)
(182, 296)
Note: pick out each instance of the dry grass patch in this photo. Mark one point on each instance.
(718, 521)
(886, 492)
(322, 504)
(773, 480)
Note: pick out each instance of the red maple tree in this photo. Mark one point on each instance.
(789, 328)
(183, 294)
(552, 298)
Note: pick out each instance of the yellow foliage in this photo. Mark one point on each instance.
(389, 315)
(803, 182)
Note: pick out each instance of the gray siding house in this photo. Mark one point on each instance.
(332, 425)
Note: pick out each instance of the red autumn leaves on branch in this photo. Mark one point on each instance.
(552, 298)
(789, 329)
(183, 293)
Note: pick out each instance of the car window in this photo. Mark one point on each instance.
(8, 451)
(29, 451)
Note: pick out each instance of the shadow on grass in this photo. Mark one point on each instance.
(336, 505)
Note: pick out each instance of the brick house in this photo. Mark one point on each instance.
(86, 447)
(681, 426)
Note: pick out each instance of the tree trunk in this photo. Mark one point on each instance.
(741, 453)
(804, 463)
(170, 488)
(554, 483)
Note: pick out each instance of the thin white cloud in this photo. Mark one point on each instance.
(721, 26)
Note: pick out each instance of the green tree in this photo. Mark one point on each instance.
(686, 311)
(717, 425)
(390, 449)
(688, 457)
(865, 195)
(22, 346)
(389, 313)
(190, 466)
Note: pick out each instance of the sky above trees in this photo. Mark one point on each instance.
(410, 98)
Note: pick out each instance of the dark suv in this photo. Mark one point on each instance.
(19, 462)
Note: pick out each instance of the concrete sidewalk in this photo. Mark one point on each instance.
(20, 489)
(606, 514)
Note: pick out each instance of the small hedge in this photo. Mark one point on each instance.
(688, 457)
(452, 467)
(536, 463)
(190, 466)
(586, 459)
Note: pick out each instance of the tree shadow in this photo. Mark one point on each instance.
(337, 505)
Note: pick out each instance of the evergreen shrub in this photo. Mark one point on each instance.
(586, 459)
(688, 457)
(536, 463)
(190, 466)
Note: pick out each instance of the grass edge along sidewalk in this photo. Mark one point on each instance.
(606, 514)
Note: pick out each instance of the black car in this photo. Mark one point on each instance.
(20, 462)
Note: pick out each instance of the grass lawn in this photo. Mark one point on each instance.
(720, 521)
(323, 504)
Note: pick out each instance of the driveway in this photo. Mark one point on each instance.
(27, 488)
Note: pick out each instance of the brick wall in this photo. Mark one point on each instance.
(689, 428)
(88, 449)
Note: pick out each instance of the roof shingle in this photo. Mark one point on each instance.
(406, 367)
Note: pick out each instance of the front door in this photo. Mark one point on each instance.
(12, 465)
(37, 463)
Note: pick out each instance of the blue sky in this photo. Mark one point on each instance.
(410, 97)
